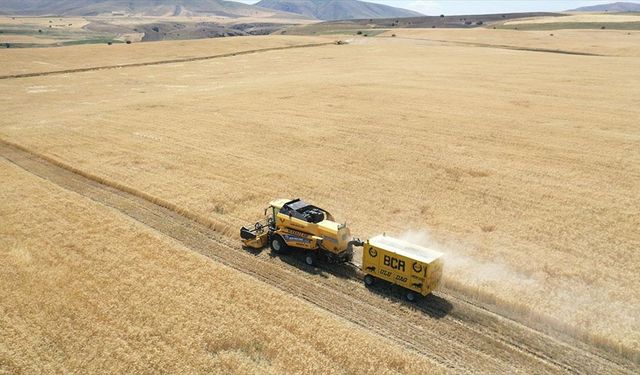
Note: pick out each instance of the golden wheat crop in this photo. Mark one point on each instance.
(86, 290)
(522, 166)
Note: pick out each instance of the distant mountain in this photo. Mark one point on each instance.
(135, 8)
(336, 9)
(613, 7)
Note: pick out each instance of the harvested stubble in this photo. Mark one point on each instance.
(86, 290)
(84, 56)
(578, 18)
(392, 134)
(613, 43)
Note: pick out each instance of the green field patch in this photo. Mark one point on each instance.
(63, 34)
(334, 30)
(91, 41)
(61, 43)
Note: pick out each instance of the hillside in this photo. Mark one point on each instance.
(612, 7)
(135, 8)
(379, 25)
(336, 9)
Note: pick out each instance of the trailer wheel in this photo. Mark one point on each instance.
(411, 296)
(278, 245)
(369, 280)
(310, 259)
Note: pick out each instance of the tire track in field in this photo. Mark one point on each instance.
(450, 331)
(503, 46)
(162, 62)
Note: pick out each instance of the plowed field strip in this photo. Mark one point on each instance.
(450, 331)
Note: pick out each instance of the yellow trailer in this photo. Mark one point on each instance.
(415, 268)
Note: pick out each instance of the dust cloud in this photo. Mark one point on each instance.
(572, 301)
(457, 262)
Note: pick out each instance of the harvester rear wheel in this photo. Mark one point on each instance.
(369, 280)
(278, 245)
(311, 259)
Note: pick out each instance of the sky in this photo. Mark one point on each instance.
(452, 7)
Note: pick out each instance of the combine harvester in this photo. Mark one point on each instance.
(296, 225)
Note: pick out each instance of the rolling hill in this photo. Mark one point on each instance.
(336, 9)
(137, 8)
(612, 7)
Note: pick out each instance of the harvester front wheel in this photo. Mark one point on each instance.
(369, 280)
(278, 245)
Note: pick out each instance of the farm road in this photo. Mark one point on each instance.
(449, 330)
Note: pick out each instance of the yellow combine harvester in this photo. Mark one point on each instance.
(294, 224)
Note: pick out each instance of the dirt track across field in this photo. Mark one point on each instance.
(453, 332)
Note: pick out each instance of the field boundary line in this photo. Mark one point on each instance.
(518, 314)
(504, 46)
(162, 62)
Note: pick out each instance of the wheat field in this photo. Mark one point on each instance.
(84, 289)
(33, 60)
(522, 166)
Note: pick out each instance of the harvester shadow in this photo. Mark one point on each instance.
(434, 306)
(322, 269)
(252, 250)
(296, 259)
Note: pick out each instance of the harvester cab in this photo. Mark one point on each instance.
(295, 224)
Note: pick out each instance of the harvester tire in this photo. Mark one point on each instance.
(311, 259)
(369, 280)
(411, 296)
(278, 245)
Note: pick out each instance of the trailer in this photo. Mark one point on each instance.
(415, 268)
